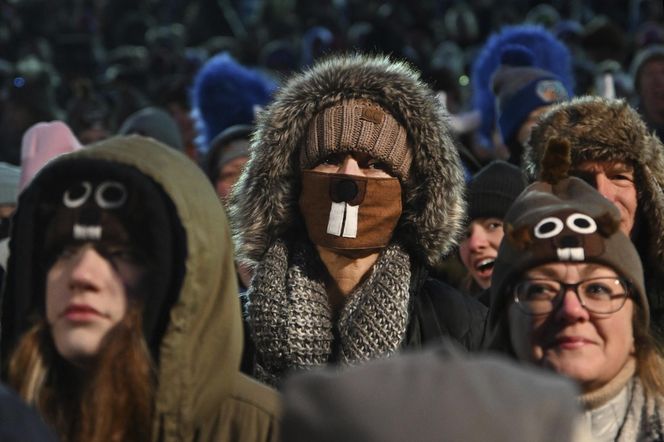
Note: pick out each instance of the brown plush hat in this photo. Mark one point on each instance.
(357, 125)
(563, 219)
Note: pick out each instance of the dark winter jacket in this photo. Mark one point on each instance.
(439, 311)
(19, 423)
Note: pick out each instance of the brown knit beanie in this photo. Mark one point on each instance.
(357, 125)
(561, 220)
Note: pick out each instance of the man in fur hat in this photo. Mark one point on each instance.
(353, 190)
(613, 151)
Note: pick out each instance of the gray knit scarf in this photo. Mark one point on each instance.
(622, 410)
(292, 323)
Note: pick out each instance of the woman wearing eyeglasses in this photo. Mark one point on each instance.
(568, 295)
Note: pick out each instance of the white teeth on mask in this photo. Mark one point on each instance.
(336, 220)
(571, 254)
(485, 263)
(350, 227)
(343, 220)
(82, 232)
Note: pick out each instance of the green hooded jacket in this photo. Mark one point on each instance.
(193, 323)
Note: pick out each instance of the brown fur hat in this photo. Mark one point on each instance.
(264, 202)
(601, 129)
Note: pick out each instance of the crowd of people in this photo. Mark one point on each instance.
(343, 220)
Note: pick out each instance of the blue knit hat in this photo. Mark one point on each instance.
(521, 88)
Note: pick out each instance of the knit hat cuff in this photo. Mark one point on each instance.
(357, 126)
(235, 149)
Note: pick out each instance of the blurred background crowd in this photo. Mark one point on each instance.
(94, 63)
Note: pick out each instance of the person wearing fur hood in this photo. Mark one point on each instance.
(353, 190)
(613, 151)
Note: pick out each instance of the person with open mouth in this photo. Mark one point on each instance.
(490, 193)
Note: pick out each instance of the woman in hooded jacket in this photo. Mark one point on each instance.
(353, 190)
(120, 318)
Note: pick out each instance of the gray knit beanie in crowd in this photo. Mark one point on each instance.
(643, 57)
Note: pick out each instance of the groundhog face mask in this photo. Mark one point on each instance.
(348, 212)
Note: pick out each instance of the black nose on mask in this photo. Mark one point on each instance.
(349, 213)
(347, 190)
(570, 241)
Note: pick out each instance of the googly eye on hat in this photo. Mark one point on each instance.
(89, 210)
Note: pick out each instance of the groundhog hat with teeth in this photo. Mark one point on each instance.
(561, 219)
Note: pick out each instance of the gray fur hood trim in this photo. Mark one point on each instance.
(610, 130)
(264, 203)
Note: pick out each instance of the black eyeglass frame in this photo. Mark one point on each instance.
(564, 287)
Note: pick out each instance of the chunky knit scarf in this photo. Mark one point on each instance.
(622, 411)
(292, 323)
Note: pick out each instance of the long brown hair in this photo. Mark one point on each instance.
(112, 400)
(649, 355)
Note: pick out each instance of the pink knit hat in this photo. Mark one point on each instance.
(41, 143)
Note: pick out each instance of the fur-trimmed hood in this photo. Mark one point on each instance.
(264, 203)
(602, 129)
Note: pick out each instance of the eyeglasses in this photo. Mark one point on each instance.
(597, 295)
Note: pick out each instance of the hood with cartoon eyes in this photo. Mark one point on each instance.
(106, 203)
(157, 197)
(568, 221)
